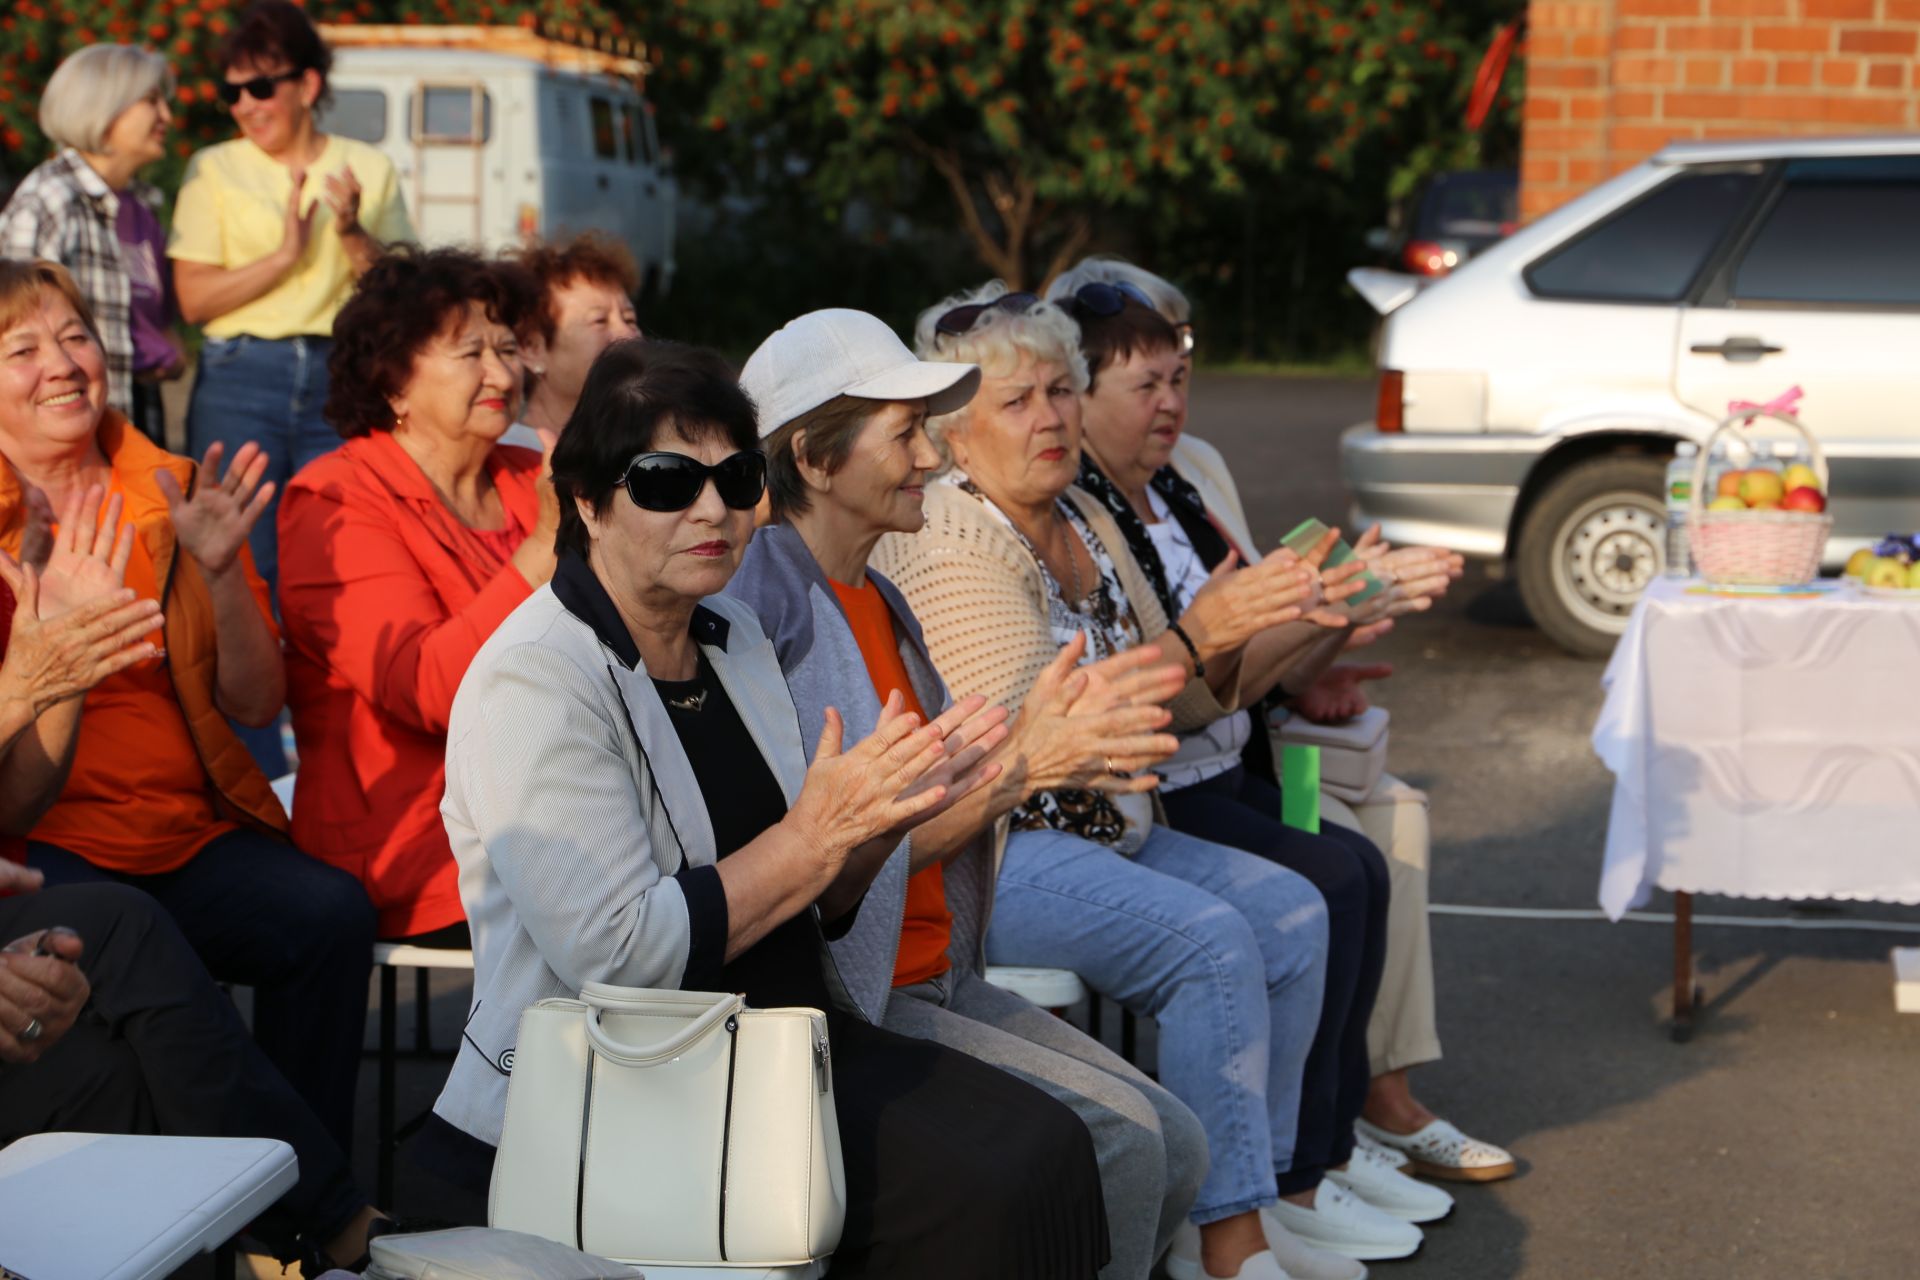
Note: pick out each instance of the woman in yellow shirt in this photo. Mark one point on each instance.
(270, 232)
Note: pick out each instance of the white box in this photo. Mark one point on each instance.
(1906, 979)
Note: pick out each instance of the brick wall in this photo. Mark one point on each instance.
(1611, 81)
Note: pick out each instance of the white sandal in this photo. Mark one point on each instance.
(1442, 1151)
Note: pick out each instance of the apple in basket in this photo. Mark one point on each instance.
(1800, 476)
(1729, 486)
(1727, 502)
(1803, 499)
(1762, 490)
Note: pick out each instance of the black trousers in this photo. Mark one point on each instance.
(298, 931)
(1243, 811)
(160, 1049)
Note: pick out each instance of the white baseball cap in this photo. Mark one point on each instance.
(839, 352)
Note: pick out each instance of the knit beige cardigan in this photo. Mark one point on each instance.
(981, 600)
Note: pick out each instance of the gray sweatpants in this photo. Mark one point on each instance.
(1153, 1152)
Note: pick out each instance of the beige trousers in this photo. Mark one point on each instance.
(1404, 1031)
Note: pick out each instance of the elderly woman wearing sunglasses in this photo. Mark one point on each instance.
(270, 231)
(843, 406)
(630, 802)
(1226, 950)
(402, 551)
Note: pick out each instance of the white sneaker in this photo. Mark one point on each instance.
(1384, 1187)
(1183, 1261)
(1343, 1223)
(1304, 1262)
(1398, 1159)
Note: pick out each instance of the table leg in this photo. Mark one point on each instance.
(1683, 1005)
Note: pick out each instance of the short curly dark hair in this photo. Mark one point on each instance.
(408, 297)
(592, 255)
(276, 31)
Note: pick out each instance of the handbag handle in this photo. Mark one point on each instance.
(659, 1050)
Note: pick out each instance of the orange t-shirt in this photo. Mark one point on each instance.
(138, 800)
(928, 926)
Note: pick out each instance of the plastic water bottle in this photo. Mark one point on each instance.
(1679, 495)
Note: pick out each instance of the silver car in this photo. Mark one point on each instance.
(1529, 402)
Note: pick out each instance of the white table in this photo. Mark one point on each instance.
(1762, 748)
(88, 1206)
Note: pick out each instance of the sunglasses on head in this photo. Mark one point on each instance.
(260, 88)
(963, 318)
(1110, 299)
(673, 481)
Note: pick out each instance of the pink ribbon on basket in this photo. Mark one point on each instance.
(1787, 402)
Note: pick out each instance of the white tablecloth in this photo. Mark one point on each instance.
(1763, 748)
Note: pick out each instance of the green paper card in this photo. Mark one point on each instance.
(1308, 534)
(1300, 787)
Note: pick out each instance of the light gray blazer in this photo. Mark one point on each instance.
(785, 586)
(584, 846)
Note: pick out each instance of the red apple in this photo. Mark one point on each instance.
(1803, 499)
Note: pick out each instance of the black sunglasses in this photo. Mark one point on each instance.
(963, 318)
(1110, 299)
(260, 88)
(673, 481)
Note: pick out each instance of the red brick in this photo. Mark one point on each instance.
(1562, 75)
(1793, 73)
(1884, 112)
(1537, 168)
(1562, 138)
(1839, 73)
(1644, 140)
(1704, 73)
(1544, 46)
(1698, 106)
(1887, 75)
(1660, 8)
(1653, 71)
(1784, 107)
(1543, 108)
(1591, 46)
(1748, 72)
(1792, 39)
(1583, 171)
(1877, 40)
(1570, 15)
(1636, 37)
(1749, 9)
(1819, 9)
(1721, 37)
(1630, 105)
(1903, 10)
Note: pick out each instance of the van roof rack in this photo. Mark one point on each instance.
(560, 46)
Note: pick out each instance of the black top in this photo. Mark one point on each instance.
(743, 799)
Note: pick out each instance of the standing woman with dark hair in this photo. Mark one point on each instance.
(107, 109)
(401, 551)
(270, 231)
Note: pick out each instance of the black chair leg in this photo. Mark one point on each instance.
(389, 997)
(422, 1012)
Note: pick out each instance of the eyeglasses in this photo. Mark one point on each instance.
(260, 88)
(963, 318)
(1110, 299)
(673, 481)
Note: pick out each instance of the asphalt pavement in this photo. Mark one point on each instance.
(1779, 1145)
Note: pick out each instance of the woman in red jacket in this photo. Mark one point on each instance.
(399, 555)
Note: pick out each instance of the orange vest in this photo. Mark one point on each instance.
(243, 792)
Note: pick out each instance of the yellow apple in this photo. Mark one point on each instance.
(1885, 571)
(1729, 486)
(1857, 562)
(1800, 476)
(1761, 489)
(1726, 503)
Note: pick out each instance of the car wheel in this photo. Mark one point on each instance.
(1592, 543)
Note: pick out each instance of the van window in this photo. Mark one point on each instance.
(452, 113)
(605, 144)
(1652, 251)
(360, 114)
(1842, 231)
(649, 141)
(627, 131)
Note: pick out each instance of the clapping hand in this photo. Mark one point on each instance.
(213, 524)
(1233, 607)
(970, 731)
(87, 559)
(342, 195)
(50, 660)
(849, 797)
(296, 227)
(1095, 726)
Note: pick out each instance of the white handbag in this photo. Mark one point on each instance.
(673, 1128)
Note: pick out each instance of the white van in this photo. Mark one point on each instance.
(501, 135)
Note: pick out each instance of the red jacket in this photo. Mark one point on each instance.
(385, 598)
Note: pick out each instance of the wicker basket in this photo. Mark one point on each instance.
(1757, 548)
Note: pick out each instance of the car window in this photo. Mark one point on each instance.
(356, 113)
(1652, 251)
(1477, 205)
(605, 144)
(1842, 231)
(452, 113)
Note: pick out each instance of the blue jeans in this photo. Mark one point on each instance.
(1227, 951)
(269, 391)
(299, 932)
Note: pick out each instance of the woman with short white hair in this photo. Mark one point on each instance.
(106, 107)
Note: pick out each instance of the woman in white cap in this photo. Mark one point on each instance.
(842, 409)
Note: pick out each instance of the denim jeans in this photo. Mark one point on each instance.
(261, 913)
(269, 391)
(1243, 811)
(1227, 951)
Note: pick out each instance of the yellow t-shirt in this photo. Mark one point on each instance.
(232, 210)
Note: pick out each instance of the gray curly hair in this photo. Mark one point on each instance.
(997, 342)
